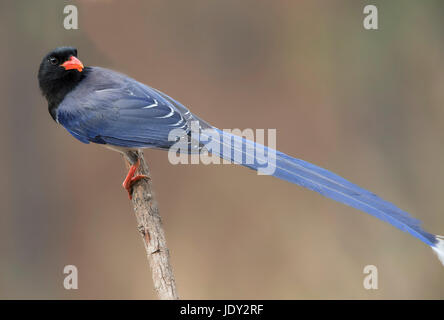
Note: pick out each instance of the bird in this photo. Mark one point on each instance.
(102, 106)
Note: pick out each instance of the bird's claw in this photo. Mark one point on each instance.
(130, 179)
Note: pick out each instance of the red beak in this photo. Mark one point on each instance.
(73, 63)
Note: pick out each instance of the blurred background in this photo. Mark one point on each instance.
(367, 105)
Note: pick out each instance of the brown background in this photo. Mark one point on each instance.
(365, 104)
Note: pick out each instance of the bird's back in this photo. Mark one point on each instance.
(108, 107)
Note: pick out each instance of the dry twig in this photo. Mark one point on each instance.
(153, 235)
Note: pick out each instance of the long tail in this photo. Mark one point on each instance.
(256, 156)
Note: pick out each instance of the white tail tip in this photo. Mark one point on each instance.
(439, 248)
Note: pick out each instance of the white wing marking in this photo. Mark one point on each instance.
(106, 89)
(155, 104)
(167, 115)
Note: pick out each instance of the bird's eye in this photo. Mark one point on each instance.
(54, 60)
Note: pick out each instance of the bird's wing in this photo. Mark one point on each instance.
(110, 108)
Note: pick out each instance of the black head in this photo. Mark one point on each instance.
(59, 73)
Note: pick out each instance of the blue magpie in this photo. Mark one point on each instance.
(105, 107)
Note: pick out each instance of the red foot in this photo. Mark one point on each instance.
(130, 179)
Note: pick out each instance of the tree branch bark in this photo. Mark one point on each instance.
(150, 228)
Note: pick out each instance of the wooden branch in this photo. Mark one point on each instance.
(153, 236)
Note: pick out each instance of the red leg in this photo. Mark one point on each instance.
(130, 179)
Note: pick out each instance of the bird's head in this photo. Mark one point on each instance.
(59, 68)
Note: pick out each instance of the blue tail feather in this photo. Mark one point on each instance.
(322, 181)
